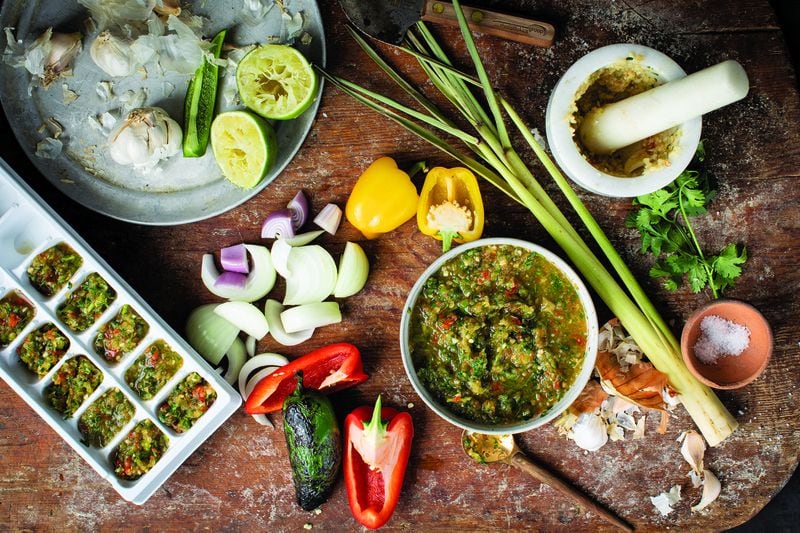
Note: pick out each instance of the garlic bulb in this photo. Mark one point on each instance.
(145, 137)
(589, 432)
(112, 54)
(51, 55)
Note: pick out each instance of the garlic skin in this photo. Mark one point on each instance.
(51, 55)
(112, 54)
(145, 137)
(589, 432)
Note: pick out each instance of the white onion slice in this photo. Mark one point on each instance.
(259, 361)
(246, 386)
(280, 257)
(246, 316)
(353, 271)
(259, 282)
(236, 355)
(210, 334)
(312, 275)
(250, 345)
(304, 238)
(309, 316)
(273, 310)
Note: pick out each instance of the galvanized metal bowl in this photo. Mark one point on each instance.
(589, 356)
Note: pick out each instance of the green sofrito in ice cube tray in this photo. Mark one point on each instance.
(75, 381)
(187, 402)
(15, 313)
(151, 370)
(140, 451)
(86, 303)
(42, 349)
(105, 418)
(52, 269)
(120, 335)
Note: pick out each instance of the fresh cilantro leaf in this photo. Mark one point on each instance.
(663, 221)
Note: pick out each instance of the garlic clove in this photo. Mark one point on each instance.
(711, 490)
(693, 449)
(589, 432)
(112, 54)
(168, 7)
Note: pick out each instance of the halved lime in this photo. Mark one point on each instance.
(244, 146)
(276, 81)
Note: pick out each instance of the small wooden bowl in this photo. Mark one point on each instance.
(729, 372)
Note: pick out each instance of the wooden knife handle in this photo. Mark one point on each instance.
(510, 27)
(524, 463)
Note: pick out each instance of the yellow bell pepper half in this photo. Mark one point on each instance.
(450, 206)
(383, 198)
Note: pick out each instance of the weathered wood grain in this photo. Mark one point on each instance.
(239, 479)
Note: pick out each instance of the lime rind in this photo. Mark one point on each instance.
(276, 81)
(244, 147)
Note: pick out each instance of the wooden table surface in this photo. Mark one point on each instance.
(239, 478)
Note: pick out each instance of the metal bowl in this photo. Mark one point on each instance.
(572, 392)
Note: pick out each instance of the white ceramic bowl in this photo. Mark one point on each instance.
(572, 392)
(566, 152)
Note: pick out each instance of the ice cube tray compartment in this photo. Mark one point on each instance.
(29, 227)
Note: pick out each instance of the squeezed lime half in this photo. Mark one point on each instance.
(276, 81)
(244, 146)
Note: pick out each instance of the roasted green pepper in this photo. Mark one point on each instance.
(383, 198)
(450, 206)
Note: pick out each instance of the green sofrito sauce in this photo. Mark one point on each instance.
(42, 349)
(121, 335)
(15, 313)
(140, 451)
(52, 269)
(498, 334)
(153, 369)
(105, 418)
(187, 402)
(75, 381)
(86, 303)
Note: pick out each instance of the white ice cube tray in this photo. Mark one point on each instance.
(27, 227)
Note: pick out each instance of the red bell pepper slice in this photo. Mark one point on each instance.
(375, 459)
(327, 369)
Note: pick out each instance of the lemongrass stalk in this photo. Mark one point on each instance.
(395, 76)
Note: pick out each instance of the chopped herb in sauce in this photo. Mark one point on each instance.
(187, 402)
(50, 271)
(105, 418)
(140, 451)
(121, 335)
(15, 313)
(42, 349)
(498, 334)
(75, 381)
(86, 303)
(151, 370)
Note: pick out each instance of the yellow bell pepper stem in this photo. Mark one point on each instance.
(383, 198)
(450, 207)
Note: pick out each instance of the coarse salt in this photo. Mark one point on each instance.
(720, 337)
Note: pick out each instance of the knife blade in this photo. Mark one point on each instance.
(389, 20)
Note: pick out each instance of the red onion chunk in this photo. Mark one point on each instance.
(278, 225)
(234, 280)
(329, 218)
(234, 259)
(299, 209)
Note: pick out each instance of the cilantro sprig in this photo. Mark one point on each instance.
(664, 221)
